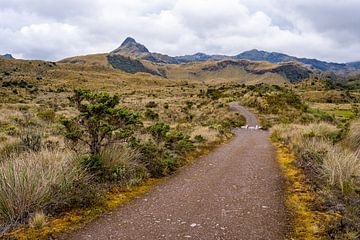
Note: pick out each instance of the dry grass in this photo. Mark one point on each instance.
(314, 147)
(354, 136)
(341, 167)
(30, 180)
(210, 135)
(122, 164)
(38, 221)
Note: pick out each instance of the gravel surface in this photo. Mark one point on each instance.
(235, 192)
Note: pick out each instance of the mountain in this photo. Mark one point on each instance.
(354, 65)
(131, 47)
(134, 57)
(9, 56)
(134, 49)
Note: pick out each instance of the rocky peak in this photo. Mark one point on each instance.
(131, 47)
(7, 56)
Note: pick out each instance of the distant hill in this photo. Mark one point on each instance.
(274, 57)
(9, 56)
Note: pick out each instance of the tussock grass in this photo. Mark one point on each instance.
(29, 181)
(341, 166)
(122, 164)
(38, 221)
(315, 148)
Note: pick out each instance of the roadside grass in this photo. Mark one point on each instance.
(332, 168)
(306, 223)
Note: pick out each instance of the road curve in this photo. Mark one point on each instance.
(235, 192)
(251, 119)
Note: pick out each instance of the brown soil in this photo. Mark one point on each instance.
(235, 192)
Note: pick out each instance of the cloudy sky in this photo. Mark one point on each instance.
(52, 30)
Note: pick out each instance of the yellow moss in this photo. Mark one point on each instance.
(307, 223)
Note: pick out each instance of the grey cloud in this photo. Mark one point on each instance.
(48, 29)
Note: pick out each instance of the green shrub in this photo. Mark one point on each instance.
(178, 142)
(151, 157)
(10, 130)
(93, 163)
(214, 93)
(98, 120)
(159, 130)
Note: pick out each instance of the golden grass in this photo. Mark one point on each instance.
(30, 180)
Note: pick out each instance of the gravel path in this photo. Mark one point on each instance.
(235, 192)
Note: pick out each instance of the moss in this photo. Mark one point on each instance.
(306, 222)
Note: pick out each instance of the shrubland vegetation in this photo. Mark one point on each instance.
(62, 149)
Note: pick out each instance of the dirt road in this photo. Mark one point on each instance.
(235, 192)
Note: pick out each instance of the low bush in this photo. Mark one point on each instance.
(31, 140)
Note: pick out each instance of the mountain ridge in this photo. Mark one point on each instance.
(132, 48)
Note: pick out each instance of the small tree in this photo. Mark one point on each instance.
(99, 122)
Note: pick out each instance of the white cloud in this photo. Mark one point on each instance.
(47, 29)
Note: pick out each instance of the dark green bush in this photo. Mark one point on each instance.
(178, 142)
(150, 114)
(159, 130)
(93, 163)
(98, 121)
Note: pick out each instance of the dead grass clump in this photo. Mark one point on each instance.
(341, 167)
(38, 221)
